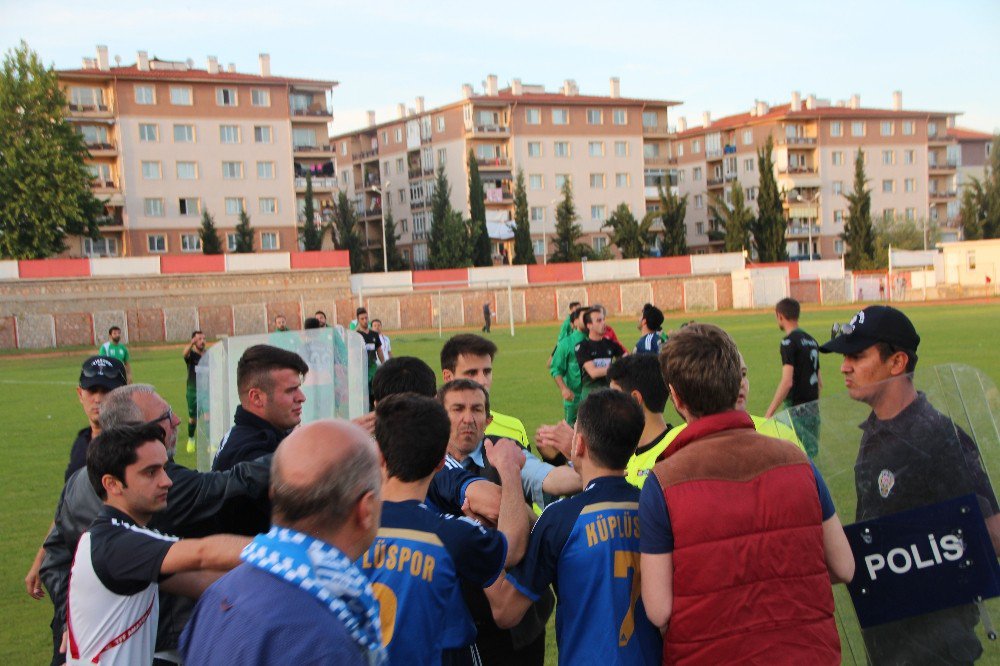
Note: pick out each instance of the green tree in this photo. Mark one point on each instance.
(210, 242)
(568, 232)
(481, 252)
(901, 234)
(980, 211)
(769, 226)
(735, 218)
(524, 253)
(671, 213)
(345, 232)
(632, 237)
(311, 234)
(44, 182)
(858, 233)
(244, 234)
(392, 255)
(448, 245)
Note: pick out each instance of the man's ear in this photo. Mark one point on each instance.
(447, 375)
(638, 398)
(898, 362)
(112, 486)
(366, 512)
(256, 397)
(577, 445)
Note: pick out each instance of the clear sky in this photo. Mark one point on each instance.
(716, 56)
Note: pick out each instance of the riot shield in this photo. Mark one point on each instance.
(336, 385)
(909, 463)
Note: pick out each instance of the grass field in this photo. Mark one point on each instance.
(40, 415)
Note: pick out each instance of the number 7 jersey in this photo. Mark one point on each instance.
(587, 548)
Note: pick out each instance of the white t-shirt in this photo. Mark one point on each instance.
(386, 348)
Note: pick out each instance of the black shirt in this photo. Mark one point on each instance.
(601, 352)
(78, 452)
(192, 362)
(250, 438)
(800, 350)
(372, 343)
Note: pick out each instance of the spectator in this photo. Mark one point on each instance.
(650, 325)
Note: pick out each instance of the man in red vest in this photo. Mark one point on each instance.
(739, 537)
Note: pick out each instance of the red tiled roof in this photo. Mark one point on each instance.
(133, 72)
(559, 98)
(962, 133)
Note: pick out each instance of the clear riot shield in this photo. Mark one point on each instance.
(914, 492)
(336, 385)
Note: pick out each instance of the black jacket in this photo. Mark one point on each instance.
(250, 437)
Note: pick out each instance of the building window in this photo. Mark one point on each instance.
(619, 117)
(225, 96)
(535, 181)
(404, 226)
(911, 214)
(836, 128)
(532, 116)
(910, 185)
(680, 149)
(152, 207)
(680, 175)
(234, 205)
(151, 171)
(267, 205)
(534, 149)
(838, 216)
(400, 165)
(695, 146)
(180, 95)
(621, 148)
(187, 171)
(748, 165)
(232, 170)
(538, 246)
(699, 201)
(600, 243)
(303, 138)
(595, 117)
(888, 186)
(596, 148)
(149, 133)
(101, 247)
(751, 193)
(598, 212)
(747, 137)
(188, 206)
(183, 133)
(560, 116)
(399, 135)
(696, 174)
(156, 243)
(889, 214)
(838, 246)
(650, 119)
(86, 98)
(385, 137)
(440, 124)
(561, 149)
(562, 179)
(402, 196)
(260, 97)
(145, 95)
(931, 129)
(262, 134)
(622, 180)
(838, 158)
(537, 213)
(190, 243)
(908, 128)
(888, 157)
(229, 133)
(908, 156)
(887, 128)
(699, 228)
(442, 155)
(597, 181)
(838, 187)
(858, 128)
(231, 242)
(268, 240)
(651, 150)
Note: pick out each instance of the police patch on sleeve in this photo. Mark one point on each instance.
(886, 480)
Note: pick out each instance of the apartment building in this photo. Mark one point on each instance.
(612, 149)
(168, 141)
(914, 162)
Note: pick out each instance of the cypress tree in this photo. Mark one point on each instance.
(769, 226)
(210, 243)
(858, 233)
(310, 233)
(524, 253)
(244, 234)
(481, 254)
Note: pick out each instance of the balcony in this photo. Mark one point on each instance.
(91, 110)
(796, 170)
(729, 177)
(102, 185)
(714, 154)
(417, 202)
(940, 167)
(943, 194)
(426, 138)
(101, 148)
(493, 163)
(796, 141)
(802, 230)
(308, 150)
(659, 161)
(939, 139)
(489, 130)
(372, 180)
(715, 182)
(318, 112)
(319, 184)
(655, 130)
(716, 236)
(499, 195)
(365, 155)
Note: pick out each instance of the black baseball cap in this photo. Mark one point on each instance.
(653, 316)
(876, 323)
(103, 371)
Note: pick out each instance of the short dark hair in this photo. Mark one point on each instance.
(886, 349)
(311, 322)
(653, 316)
(376, 320)
(463, 384)
(360, 311)
(403, 374)
(641, 372)
(114, 450)
(412, 432)
(788, 308)
(588, 313)
(113, 329)
(468, 344)
(612, 423)
(254, 368)
(702, 364)
(319, 312)
(575, 314)
(574, 305)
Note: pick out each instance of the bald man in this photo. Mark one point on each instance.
(297, 597)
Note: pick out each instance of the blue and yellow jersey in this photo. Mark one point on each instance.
(587, 548)
(416, 565)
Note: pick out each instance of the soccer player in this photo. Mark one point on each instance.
(800, 377)
(115, 348)
(373, 347)
(419, 558)
(120, 564)
(587, 548)
(596, 353)
(280, 324)
(723, 490)
(192, 355)
(650, 325)
(565, 370)
(320, 609)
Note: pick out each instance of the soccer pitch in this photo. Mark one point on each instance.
(41, 414)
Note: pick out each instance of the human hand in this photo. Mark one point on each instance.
(505, 454)
(558, 437)
(33, 581)
(567, 395)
